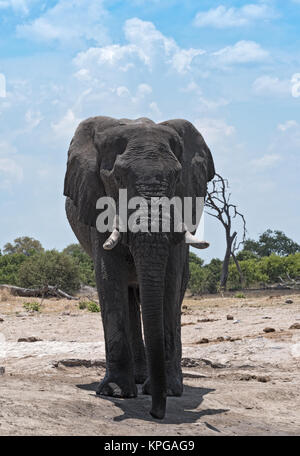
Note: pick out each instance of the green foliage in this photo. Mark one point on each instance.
(24, 245)
(92, 306)
(32, 306)
(272, 242)
(9, 268)
(82, 305)
(50, 268)
(85, 263)
(204, 279)
(240, 295)
(246, 255)
(197, 278)
(193, 258)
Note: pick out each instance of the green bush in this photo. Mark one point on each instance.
(82, 305)
(240, 295)
(32, 306)
(9, 268)
(251, 272)
(92, 306)
(85, 263)
(50, 268)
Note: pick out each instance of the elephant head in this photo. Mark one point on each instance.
(164, 160)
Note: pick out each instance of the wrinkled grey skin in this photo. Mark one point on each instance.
(151, 271)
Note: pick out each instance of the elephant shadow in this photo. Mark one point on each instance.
(184, 409)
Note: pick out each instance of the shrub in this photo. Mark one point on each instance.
(9, 268)
(50, 268)
(85, 263)
(82, 305)
(240, 295)
(92, 306)
(32, 306)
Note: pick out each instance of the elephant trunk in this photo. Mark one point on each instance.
(150, 254)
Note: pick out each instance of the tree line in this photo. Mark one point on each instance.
(25, 263)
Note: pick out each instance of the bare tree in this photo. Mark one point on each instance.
(220, 207)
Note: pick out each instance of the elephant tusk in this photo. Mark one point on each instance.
(112, 241)
(115, 236)
(195, 242)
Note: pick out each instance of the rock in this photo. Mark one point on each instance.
(229, 317)
(266, 318)
(263, 379)
(1, 320)
(2, 370)
(247, 377)
(29, 339)
(74, 362)
(203, 341)
(66, 313)
(269, 330)
(236, 321)
(289, 301)
(295, 326)
(220, 339)
(207, 320)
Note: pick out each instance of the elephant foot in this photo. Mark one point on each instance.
(116, 388)
(174, 386)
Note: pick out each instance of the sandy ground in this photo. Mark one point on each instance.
(239, 381)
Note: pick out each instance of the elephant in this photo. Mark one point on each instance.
(141, 277)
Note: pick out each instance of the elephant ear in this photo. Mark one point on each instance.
(82, 180)
(196, 159)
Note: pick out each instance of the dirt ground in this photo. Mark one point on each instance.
(238, 379)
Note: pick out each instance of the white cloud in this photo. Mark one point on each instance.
(33, 118)
(146, 37)
(266, 160)
(241, 52)
(144, 89)
(287, 125)
(182, 59)
(223, 17)
(10, 170)
(295, 89)
(271, 85)
(18, 6)
(122, 91)
(214, 131)
(145, 44)
(69, 22)
(66, 126)
(155, 109)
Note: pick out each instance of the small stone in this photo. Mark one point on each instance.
(236, 321)
(29, 339)
(247, 377)
(295, 326)
(66, 313)
(269, 330)
(203, 341)
(289, 301)
(220, 339)
(263, 379)
(1, 320)
(229, 317)
(2, 370)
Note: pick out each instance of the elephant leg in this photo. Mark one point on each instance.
(175, 286)
(112, 287)
(138, 347)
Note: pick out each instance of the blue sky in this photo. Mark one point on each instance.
(232, 68)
